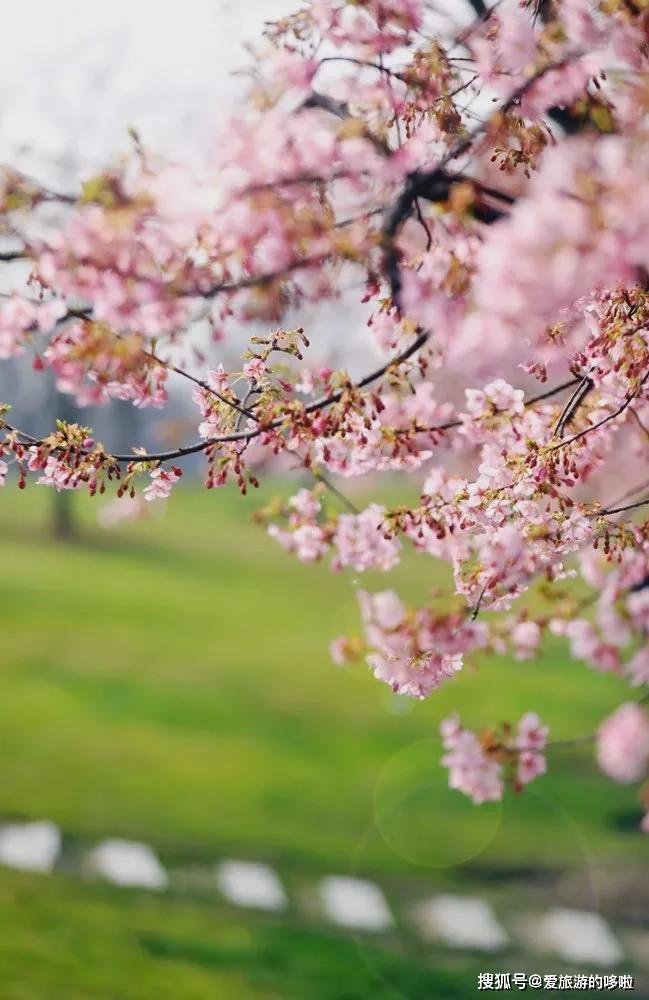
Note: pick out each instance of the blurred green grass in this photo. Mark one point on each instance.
(169, 681)
(63, 941)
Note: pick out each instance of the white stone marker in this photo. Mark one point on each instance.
(127, 863)
(353, 902)
(579, 936)
(461, 921)
(32, 847)
(249, 883)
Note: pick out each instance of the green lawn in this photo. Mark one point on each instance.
(169, 681)
(66, 942)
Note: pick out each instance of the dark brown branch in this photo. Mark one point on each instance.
(608, 511)
(321, 478)
(340, 109)
(435, 184)
(638, 488)
(320, 404)
(476, 610)
(366, 64)
(480, 8)
(583, 389)
(233, 403)
(424, 225)
(10, 255)
(35, 187)
(600, 423)
(641, 426)
(251, 281)
(255, 280)
(452, 424)
(405, 355)
(392, 74)
(569, 121)
(551, 392)
(297, 179)
(248, 435)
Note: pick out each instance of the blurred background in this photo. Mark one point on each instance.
(194, 803)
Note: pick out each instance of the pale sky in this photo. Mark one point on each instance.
(74, 74)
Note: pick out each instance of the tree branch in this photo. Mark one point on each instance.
(435, 184)
(608, 511)
(8, 256)
(600, 423)
(321, 478)
(587, 737)
(248, 435)
(452, 424)
(573, 404)
(480, 8)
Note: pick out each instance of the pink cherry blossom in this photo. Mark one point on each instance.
(530, 766)
(468, 197)
(623, 743)
(307, 541)
(471, 770)
(338, 650)
(532, 734)
(525, 637)
(637, 668)
(218, 380)
(530, 742)
(254, 369)
(162, 483)
(362, 541)
(480, 767)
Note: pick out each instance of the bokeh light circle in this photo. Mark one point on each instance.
(424, 821)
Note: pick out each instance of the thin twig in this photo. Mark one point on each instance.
(587, 737)
(321, 478)
(638, 421)
(419, 182)
(8, 256)
(629, 493)
(608, 511)
(573, 404)
(476, 610)
(600, 423)
(452, 424)
(248, 435)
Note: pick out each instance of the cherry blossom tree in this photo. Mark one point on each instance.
(484, 182)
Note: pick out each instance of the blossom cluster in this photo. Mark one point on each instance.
(481, 763)
(623, 747)
(482, 186)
